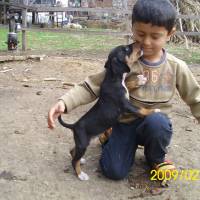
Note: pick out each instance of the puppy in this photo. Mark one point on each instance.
(113, 101)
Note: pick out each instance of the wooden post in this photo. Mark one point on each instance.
(24, 25)
(127, 27)
(4, 14)
(181, 27)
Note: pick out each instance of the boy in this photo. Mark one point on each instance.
(153, 23)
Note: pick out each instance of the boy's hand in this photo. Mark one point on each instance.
(54, 112)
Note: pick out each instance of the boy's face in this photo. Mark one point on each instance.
(151, 38)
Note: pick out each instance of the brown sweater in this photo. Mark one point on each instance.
(163, 78)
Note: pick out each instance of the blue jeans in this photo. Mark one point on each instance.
(153, 132)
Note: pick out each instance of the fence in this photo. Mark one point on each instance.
(126, 13)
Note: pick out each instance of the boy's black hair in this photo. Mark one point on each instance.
(156, 12)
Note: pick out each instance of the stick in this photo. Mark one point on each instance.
(68, 83)
(6, 70)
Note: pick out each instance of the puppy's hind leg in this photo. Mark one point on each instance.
(76, 162)
(72, 152)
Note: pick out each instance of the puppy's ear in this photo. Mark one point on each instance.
(115, 65)
(107, 64)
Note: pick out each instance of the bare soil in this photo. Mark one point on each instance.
(34, 161)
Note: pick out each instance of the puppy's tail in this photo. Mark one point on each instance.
(70, 126)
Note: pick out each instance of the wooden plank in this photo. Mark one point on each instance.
(20, 6)
(188, 33)
(94, 10)
(75, 31)
(42, 8)
(193, 17)
(112, 33)
(101, 10)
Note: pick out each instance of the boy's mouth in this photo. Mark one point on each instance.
(147, 50)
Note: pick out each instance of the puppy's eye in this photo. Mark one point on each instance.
(127, 49)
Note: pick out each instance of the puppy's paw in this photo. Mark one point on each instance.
(83, 176)
(157, 110)
(82, 161)
(141, 79)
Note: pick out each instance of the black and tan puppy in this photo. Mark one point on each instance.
(113, 101)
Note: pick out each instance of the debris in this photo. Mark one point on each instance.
(39, 93)
(9, 58)
(18, 132)
(51, 79)
(164, 183)
(10, 177)
(6, 70)
(68, 83)
(26, 85)
(184, 115)
(188, 129)
(24, 80)
(66, 170)
(156, 191)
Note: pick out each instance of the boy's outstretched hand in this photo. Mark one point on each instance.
(54, 112)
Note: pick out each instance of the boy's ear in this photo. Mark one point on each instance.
(171, 33)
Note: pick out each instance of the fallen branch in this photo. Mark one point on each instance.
(68, 84)
(10, 58)
(6, 70)
(51, 79)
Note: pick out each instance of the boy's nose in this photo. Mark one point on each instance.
(146, 41)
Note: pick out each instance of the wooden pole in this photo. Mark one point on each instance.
(127, 27)
(24, 25)
(181, 27)
(4, 14)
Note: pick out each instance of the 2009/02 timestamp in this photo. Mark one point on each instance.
(186, 175)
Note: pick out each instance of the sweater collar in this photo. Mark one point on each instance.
(154, 64)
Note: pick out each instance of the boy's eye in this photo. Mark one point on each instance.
(140, 35)
(155, 37)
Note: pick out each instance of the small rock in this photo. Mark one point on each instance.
(39, 92)
(26, 85)
(18, 132)
(188, 129)
(66, 170)
(156, 191)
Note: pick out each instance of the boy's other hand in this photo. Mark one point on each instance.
(54, 112)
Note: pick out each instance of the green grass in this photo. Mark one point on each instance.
(62, 41)
(49, 41)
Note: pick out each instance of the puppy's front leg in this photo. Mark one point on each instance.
(141, 112)
(128, 107)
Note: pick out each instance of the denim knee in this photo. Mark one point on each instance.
(158, 125)
(155, 134)
(113, 171)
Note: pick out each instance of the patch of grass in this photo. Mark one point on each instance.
(50, 41)
(3, 38)
(191, 55)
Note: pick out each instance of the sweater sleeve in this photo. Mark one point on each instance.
(84, 92)
(188, 89)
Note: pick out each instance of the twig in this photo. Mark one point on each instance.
(51, 79)
(68, 83)
(6, 70)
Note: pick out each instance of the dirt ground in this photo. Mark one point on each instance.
(35, 162)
